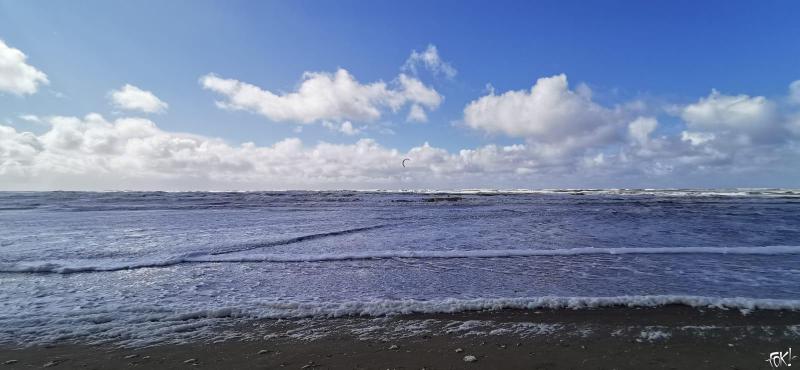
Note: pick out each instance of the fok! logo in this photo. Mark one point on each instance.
(778, 359)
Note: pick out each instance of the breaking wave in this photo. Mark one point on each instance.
(383, 307)
(147, 325)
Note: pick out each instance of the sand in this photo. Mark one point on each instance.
(674, 337)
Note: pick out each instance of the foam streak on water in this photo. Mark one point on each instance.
(109, 266)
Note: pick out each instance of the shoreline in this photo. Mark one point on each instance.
(671, 336)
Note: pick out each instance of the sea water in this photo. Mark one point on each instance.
(144, 267)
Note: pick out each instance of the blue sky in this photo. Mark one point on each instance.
(659, 56)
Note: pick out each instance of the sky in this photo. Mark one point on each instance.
(256, 95)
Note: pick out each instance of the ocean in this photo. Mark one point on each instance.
(149, 267)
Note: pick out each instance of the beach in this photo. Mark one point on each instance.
(670, 337)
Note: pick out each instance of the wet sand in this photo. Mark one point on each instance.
(674, 337)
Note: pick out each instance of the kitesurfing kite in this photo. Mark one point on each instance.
(404, 162)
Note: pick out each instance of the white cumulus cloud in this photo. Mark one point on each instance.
(552, 118)
(730, 123)
(130, 97)
(324, 96)
(16, 75)
(548, 111)
(750, 117)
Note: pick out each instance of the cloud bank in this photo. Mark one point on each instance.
(95, 153)
(134, 153)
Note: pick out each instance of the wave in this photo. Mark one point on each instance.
(298, 239)
(222, 257)
(381, 307)
(139, 326)
(508, 253)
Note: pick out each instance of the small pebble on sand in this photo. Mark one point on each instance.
(470, 358)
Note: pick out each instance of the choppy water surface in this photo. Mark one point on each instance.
(143, 267)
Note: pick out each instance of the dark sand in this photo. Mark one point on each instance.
(674, 337)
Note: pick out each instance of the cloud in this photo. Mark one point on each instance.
(748, 118)
(794, 92)
(345, 127)
(741, 131)
(324, 96)
(17, 150)
(697, 138)
(132, 98)
(565, 131)
(550, 117)
(430, 60)
(640, 130)
(92, 152)
(721, 134)
(16, 76)
(564, 139)
(567, 134)
(739, 134)
(550, 111)
(30, 118)
(134, 153)
(416, 114)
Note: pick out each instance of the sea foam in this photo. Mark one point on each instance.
(381, 307)
(130, 326)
